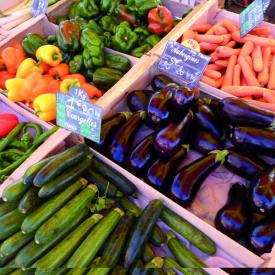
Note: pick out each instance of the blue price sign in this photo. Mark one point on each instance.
(251, 17)
(39, 7)
(183, 63)
(75, 113)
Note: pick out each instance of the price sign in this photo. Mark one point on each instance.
(75, 113)
(39, 7)
(251, 17)
(184, 63)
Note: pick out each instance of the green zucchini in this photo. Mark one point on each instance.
(148, 253)
(139, 269)
(19, 271)
(32, 251)
(184, 256)
(188, 231)
(6, 270)
(29, 201)
(117, 61)
(15, 242)
(4, 260)
(10, 223)
(60, 163)
(15, 191)
(62, 251)
(156, 262)
(77, 271)
(91, 245)
(34, 220)
(158, 271)
(59, 271)
(120, 181)
(141, 232)
(6, 207)
(157, 237)
(62, 218)
(119, 270)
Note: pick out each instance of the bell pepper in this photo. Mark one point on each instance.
(5, 75)
(92, 25)
(142, 6)
(45, 107)
(152, 40)
(107, 39)
(89, 74)
(60, 19)
(51, 39)
(108, 23)
(67, 84)
(87, 9)
(67, 57)
(7, 122)
(73, 11)
(16, 90)
(31, 43)
(160, 20)
(2, 65)
(49, 54)
(27, 67)
(79, 77)
(124, 14)
(142, 33)
(68, 36)
(53, 84)
(59, 71)
(109, 6)
(124, 39)
(140, 51)
(81, 22)
(76, 64)
(91, 90)
(118, 61)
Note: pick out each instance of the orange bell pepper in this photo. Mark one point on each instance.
(60, 71)
(44, 67)
(47, 77)
(81, 78)
(54, 86)
(36, 85)
(2, 65)
(91, 90)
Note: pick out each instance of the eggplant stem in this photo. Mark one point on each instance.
(220, 155)
(127, 114)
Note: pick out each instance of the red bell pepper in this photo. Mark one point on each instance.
(7, 122)
(160, 20)
(4, 75)
(59, 71)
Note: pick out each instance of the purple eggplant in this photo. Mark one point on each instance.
(189, 179)
(142, 155)
(234, 217)
(168, 139)
(256, 140)
(160, 171)
(206, 120)
(261, 271)
(262, 236)
(160, 81)
(241, 113)
(138, 100)
(123, 139)
(242, 165)
(262, 192)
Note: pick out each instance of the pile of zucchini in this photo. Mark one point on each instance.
(56, 220)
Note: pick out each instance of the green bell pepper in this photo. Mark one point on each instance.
(61, 19)
(73, 11)
(142, 6)
(109, 6)
(108, 23)
(89, 74)
(87, 60)
(140, 51)
(51, 39)
(142, 33)
(95, 27)
(31, 43)
(152, 40)
(124, 14)
(107, 39)
(76, 64)
(117, 61)
(124, 38)
(87, 9)
(80, 21)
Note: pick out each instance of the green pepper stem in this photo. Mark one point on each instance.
(55, 56)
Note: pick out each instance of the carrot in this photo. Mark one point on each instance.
(224, 52)
(205, 47)
(201, 28)
(212, 74)
(237, 75)
(214, 27)
(230, 26)
(269, 97)
(268, 106)
(263, 76)
(247, 97)
(214, 67)
(231, 44)
(247, 48)
(228, 77)
(220, 30)
(209, 38)
(257, 59)
(261, 31)
(262, 99)
(271, 82)
(222, 63)
(208, 80)
(257, 40)
(226, 39)
(248, 73)
(243, 82)
(213, 57)
(247, 90)
(249, 61)
(219, 82)
(189, 34)
(273, 50)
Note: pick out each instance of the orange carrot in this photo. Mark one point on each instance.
(268, 106)
(205, 47)
(220, 30)
(230, 26)
(226, 39)
(262, 99)
(208, 80)
(243, 82)
(219, 82)
(189, 34)
(237, 75)
(231, 44)
(214, 27)
(213, 57)
(214, 67)
(224, 52)
(250, 62)
(247, 97)
(212, 74)
(247, 90)
(209, 38)
(257, 40)
(248, 73)
(222, 63)
(261, 31)
(257, 59)
(247, 48)
(228, 77)
(271, 82)
(263, 76)
(201, 28)
(269, 97)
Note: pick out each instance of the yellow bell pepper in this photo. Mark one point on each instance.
(17, 92)
(27, 67)
(45, 107)
(67, 84)
(49, 54)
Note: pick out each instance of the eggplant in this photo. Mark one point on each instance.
(108, 128)
(123, 139)
(262, 192)
(189, 179)
(238, 112)
(160, 171)
(158, 112)
(206, 120)
(160, 81)
(234, 217)
(141, 155)
(138, 100)
(262, 271)
(168, 140)
(262, 236)
(205, 142)
(261, 141)
(242, 165)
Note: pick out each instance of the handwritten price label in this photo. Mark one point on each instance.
(39, 7)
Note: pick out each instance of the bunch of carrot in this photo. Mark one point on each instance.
(243, 67)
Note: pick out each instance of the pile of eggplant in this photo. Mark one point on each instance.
(229, 132)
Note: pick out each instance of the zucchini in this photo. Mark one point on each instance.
(64, 180)
(77, 271)
(184, 256)
(19, 271)
(4, 260)
(6, 207)
(188, 231)
(159, 271)
(6, 270)
(62, 251)
(141, 232)
(10, 223)
(91, 245)
(32, 251)
(157, 237)
(34, 220)
(139, 269)
(121, 182)
(15, 242)
(148, 253)
(103, 184)
(61, 219)
(15, 191)
(119, 270)
(156, 262)
(117, 61)
(60, 163)
(59, 271)
(29, 201)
